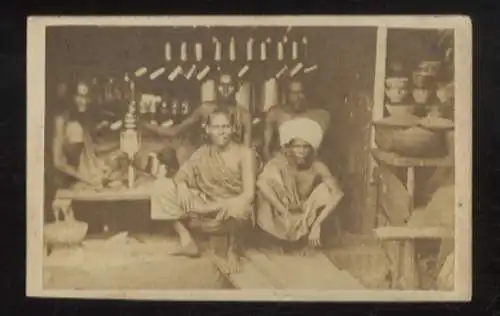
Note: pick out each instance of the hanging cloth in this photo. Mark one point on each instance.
(270, 95)
(243, 95)
(208, 91)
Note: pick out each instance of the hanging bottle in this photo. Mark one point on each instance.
(175, 110)
(162, 114)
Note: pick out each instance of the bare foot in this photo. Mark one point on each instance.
(188, 250)
(233, 260)
(306, 251)
(228, 265)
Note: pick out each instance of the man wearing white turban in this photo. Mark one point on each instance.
(296, 191)
(295, 107)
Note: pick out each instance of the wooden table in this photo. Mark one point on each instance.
(64, 197)
(410, 164)
(140, 193)
(402, 207)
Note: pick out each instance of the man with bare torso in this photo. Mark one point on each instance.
(296, 190)
(213, 191)
(240, 117)
(296, 107)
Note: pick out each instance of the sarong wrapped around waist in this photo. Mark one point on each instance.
(165, 205)
(208, 180)
(291, 226)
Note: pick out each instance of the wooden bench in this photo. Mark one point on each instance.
(405, 275)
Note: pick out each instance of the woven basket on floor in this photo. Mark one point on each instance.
(65, 232)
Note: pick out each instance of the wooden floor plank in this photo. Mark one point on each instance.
(297, 272)
(268, 268)
(250, 278)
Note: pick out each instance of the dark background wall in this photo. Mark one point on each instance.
(343, 84)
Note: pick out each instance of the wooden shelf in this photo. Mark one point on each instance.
(407, 162)
(106, 195)
(405, 232)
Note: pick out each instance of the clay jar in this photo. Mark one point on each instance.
(444, 91)
(431, 67)
(421, 79)
(421, 95)
(396, 89)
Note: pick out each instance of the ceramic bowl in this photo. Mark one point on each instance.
(421, 79)
(419, 142)
(396, 82)
(431, 67)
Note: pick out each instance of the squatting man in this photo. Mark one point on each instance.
(215, 190)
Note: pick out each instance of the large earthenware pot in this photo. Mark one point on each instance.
(441, 126)
(419, 142)
(421, 79)
(387, 128)
(404, 136)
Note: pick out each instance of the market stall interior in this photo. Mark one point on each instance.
(387, 92)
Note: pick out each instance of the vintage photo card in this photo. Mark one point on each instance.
(303, 158)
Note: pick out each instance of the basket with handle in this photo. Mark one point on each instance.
(66, 230)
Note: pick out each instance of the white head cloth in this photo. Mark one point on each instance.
(302, 128)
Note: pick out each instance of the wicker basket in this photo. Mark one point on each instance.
(65, 232)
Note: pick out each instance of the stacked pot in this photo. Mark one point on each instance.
(417, 126)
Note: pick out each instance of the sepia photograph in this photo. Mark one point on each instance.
(249, 158)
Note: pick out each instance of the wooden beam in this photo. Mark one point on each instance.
(369, 220)
(378, 87)
(105, 195)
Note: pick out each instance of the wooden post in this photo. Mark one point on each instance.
(408, 272)
(410, 186)
(378, 87)
(370, 214)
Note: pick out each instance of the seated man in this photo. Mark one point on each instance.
(296, 191)
(214, 188)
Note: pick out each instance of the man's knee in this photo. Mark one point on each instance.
(323, 193)
(242, 215)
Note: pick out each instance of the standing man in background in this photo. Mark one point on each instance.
(295, 107)
(240, 117)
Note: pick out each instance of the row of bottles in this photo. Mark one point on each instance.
(163, 111)
(237, 49)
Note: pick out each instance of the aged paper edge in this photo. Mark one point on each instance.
(463, 157)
